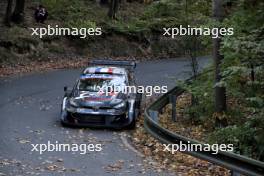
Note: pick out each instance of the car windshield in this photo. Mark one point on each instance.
(93, 82)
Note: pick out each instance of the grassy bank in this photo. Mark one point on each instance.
(137, 32)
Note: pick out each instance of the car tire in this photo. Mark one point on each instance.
(132, 125)
(63, 124)
(138, 100)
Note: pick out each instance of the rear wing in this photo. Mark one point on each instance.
(123, 63)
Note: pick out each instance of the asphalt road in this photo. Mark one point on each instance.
(30, 107)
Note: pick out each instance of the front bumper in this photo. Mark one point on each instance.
(82, 117)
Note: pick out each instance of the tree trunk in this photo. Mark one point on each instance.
(220, 92)
(103, 2)
(252, 72)
(18, 15)
(8, 12)
(113, 8)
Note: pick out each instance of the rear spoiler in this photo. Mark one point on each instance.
(123, 63)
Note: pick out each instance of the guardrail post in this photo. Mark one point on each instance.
(234, 173)
(154, 115)
(173, 99)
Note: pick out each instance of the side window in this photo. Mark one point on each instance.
(75, 87)
(131, 78)
(128, 79)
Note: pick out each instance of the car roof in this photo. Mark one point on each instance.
(105, 70)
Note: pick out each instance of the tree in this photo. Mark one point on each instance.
(191, 44)
(113, 8)
(18, 14)
(103, 2)
(220, 90)
(8, 12)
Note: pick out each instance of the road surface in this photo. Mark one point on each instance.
(30, 107)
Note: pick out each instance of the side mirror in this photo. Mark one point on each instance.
(67, 92)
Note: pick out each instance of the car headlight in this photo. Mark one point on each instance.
(120, 105)
(73, 102)
(116, 101)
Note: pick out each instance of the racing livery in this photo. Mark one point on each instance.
(91, 104)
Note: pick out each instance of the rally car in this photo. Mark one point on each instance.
(91, 104)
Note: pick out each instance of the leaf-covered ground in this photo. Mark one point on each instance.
(182, 164)
(40, 66)
(46, 65)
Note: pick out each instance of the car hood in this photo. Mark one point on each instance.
(91, 99)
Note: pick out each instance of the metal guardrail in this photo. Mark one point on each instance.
(238, 164)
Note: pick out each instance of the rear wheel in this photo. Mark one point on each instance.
(138, 104)
(132, 125)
